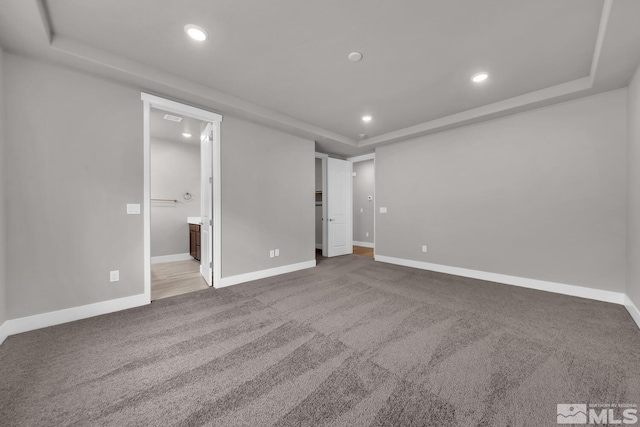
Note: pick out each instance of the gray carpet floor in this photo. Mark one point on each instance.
(352, 342)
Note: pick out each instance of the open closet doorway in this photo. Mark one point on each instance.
(181, 198)
(364, 204)
(333, 206)
(321, 205)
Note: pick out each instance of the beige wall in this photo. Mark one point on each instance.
(363, 187)
(175, 170)
(75, 144)
(539, 195)
(3, 168)
(267, 197)
(633, 213)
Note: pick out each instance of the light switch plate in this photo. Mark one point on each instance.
(383, 210)
(133, 209)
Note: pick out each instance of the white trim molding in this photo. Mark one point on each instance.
(364, 244)
(38, 321)
(523, 282)
(3, 332)
(364, 157)
(171, 258)
(256, 275)
(325, 236)
(76, 53)
(180, 108)
(631, 308)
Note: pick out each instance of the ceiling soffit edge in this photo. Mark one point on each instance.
(144, 75)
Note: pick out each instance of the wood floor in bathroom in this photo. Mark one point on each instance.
(175, 278)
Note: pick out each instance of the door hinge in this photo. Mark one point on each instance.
(210, 180)
(210, 222)
(211, 137)
(211, 265)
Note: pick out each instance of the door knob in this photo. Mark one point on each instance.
(330, 219)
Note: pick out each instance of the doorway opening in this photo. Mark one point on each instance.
(333, 207)
(364, 205)
(176, 204)
(181, 198)
(321, 205)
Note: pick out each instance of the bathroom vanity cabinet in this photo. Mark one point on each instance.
(194, 241)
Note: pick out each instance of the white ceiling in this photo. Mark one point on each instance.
(172, 131)
(284, 63)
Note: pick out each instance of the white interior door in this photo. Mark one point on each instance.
(206, 206)
(339, 183)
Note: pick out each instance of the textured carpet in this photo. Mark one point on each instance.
(352, 342)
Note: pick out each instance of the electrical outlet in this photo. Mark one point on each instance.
(114, 276)
(271, 253)
(133, 209)
(366, 234)
(424, 248)
(361, 209)
(277, 252)
(383, 210)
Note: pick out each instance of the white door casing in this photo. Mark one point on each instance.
(152, 101)
(323, 158)
(339, 195)
(206, 205)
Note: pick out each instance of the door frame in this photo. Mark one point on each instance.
(151, 101)
(325, 230)
(206, 194)
(363, 158)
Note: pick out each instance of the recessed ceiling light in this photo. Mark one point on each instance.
(186, 134)
(355, 56)
(172, 118)
(366, 118)
(480, 77)
(195, 32)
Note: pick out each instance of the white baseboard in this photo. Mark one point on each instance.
(3, 334)
(632, 309)
(170, 258)
(25, 324)
(241, 278)
(38, 321)
(541, 285)
(363, 244)
(318, 245)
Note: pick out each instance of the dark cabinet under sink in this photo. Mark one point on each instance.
(194, 241)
